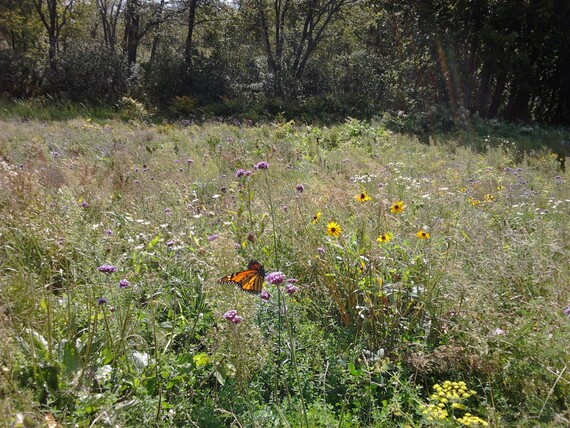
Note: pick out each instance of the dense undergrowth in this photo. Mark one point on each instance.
(425, 284)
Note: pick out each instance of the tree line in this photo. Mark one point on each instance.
(506, 59)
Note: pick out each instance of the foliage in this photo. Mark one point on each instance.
(329, 59)
(408, 284)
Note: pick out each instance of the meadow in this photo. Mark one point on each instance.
(409, 284)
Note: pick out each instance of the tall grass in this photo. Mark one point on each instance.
(470, 282)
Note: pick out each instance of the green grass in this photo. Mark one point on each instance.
(374, 325)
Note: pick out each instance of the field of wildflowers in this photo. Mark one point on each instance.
(407, 284)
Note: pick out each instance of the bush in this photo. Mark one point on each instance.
(89, 73)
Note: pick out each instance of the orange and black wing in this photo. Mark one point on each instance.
(250, 280)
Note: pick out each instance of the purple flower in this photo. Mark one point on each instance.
(170, 243)
(109, 232)
(242, 172)
(189, 161)
(291, 289)
(124, 283)
(558, 179)
(567, 311)
(84, 204)
(300, 188)
(237, 319)
(213, 237)
(275, 278)
(107, 268)
(229, 315)
(237, 246)
(265, 295)
(101, 300)
(261, 165)
(321, 250)
(168, 211)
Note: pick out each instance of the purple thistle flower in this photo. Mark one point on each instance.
(229, 315)
(275, 278)
(101, 301)
(237, 319)
(321, 250)
(124, 283)
(84, 204)
(213, 237)
(265, 295)
(189, 161)
(109, 232)
(291, 289)
(300, 188)
(567, 311)
(107, 268)
(261, 165)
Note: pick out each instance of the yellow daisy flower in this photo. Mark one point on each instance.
(397, 207)
(385, 237)
(316, 217)
(500, 187)
(333, 229)
(489, 198)
(363, 197)
(422, 234)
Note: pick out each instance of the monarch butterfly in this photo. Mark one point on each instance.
(250, 280)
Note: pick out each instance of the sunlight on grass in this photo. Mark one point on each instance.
(395, 266)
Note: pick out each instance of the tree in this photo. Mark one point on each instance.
(54, 15)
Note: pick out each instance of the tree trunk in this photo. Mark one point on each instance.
(192, 6)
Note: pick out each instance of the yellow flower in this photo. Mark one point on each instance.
(363, 197)
(333, 229)
(475, 202)
(500, 187)
(422, 234)
(489, 198)
(316, 217)
(463, 189)
(385, 237)
(397, 207)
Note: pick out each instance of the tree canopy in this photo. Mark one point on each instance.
(495, 59)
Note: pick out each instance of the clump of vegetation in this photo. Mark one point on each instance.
(393, 267)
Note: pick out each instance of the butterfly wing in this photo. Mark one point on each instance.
(250, 280)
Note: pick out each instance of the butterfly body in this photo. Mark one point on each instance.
(250, 280)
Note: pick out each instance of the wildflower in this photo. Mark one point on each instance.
(243, 173)
(489, 198)
(500, 187)
(168, 211)
(261, 165)
(109, 232)
(124, 283)
(300, 188)
(422, 234)
(333, 229)
(84, 204)
(363, 197)
(558, 179)
(291, 289)
(101, 301)
(107, 268)
(237, 319)
(385, 237)
(170, 243)
(275, 278)
(321, 250)
(229, 315)
(463, 189)
(265, 295)
(567, 311)
(189, 161)
(316, 217)
(213, 237)
(397, 207)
